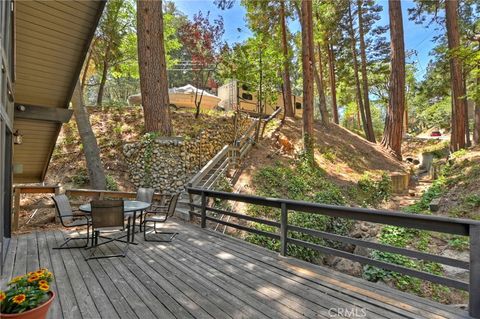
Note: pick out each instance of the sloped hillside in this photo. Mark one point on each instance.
(344, 156)
(113, 128)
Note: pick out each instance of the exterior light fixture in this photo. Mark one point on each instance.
(17, 138)
(21, 108)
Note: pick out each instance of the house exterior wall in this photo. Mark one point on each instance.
(6, 122)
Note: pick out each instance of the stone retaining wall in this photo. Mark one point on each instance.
(167, 164)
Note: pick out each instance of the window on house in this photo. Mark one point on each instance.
(247, 96)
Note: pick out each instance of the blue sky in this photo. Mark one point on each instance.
(417, 37)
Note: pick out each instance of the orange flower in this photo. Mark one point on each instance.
(33, 278)
(2, 296)
(44, 287)
(43, 282)
(31, 273)
(18, 299)
(39, 272)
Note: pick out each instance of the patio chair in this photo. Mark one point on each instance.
(144, 195)
(69, 219)
(160, 214)
(108, 217)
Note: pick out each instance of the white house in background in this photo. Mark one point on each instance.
(184, 96)
(235, 94)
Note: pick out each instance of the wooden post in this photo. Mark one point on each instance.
(16, 208)
(57, 192)
(474, 287)
(204, 211)
(284, 230)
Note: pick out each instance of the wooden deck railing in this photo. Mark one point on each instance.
(463, 227)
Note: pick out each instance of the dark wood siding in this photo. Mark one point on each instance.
(6, 122)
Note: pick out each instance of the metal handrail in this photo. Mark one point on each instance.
(464, 227)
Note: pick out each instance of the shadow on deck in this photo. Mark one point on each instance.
(203, 274)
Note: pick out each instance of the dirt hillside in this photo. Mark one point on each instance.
(344, 155)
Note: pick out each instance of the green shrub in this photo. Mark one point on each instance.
(300, 181)
(373, 192)
(81, 178)
(111, 183)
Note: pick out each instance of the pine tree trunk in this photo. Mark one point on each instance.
(331, 74)
(392, 136)
(153, 68)
(458, 88)
(287, 86)
(476, 129)
(363, 58)
(91, 151)
(322, 101)
(103, 79)
(358, 92)
(307, 66)
(468, 141)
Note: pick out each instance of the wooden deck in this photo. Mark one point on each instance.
(203, 274)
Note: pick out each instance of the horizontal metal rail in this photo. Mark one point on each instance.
(464, 227)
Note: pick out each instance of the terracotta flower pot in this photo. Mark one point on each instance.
(36, 313)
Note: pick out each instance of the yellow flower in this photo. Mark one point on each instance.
(33, 278)
(44, 287)
(18, 278)
(30, 273)
(42, 282)
(43, 269)
(2, 296)
(18, 299)
(48, 274)
(39, 272)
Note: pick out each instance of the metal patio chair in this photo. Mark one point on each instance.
(144, 195)
(160, 214)
(69, 219)
(108, 217)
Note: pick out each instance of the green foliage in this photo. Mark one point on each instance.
(459, 243)
(439, 150)
(81, 178)
(372, 192)
(111, 183)
(434, 191)
(26, 292)
(300, 181)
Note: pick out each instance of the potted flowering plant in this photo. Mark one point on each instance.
(28, 296)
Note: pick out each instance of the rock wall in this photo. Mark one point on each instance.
(167, 164)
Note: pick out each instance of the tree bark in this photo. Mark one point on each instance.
(287, 86)
(363, 58)
(476, 129)
(393, 134)
(331, 74)
(322, 101)
(358, 92)
(91, 151)
(153, 67)
(468, 141)
(307, 66)
(103, 79)
(457, 140)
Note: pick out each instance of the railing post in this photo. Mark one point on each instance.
(16, 208)
(283, 230)
(204, 211)
(474, 287)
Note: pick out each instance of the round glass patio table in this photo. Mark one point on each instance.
(129, 206)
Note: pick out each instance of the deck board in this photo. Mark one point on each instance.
(204, 274)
